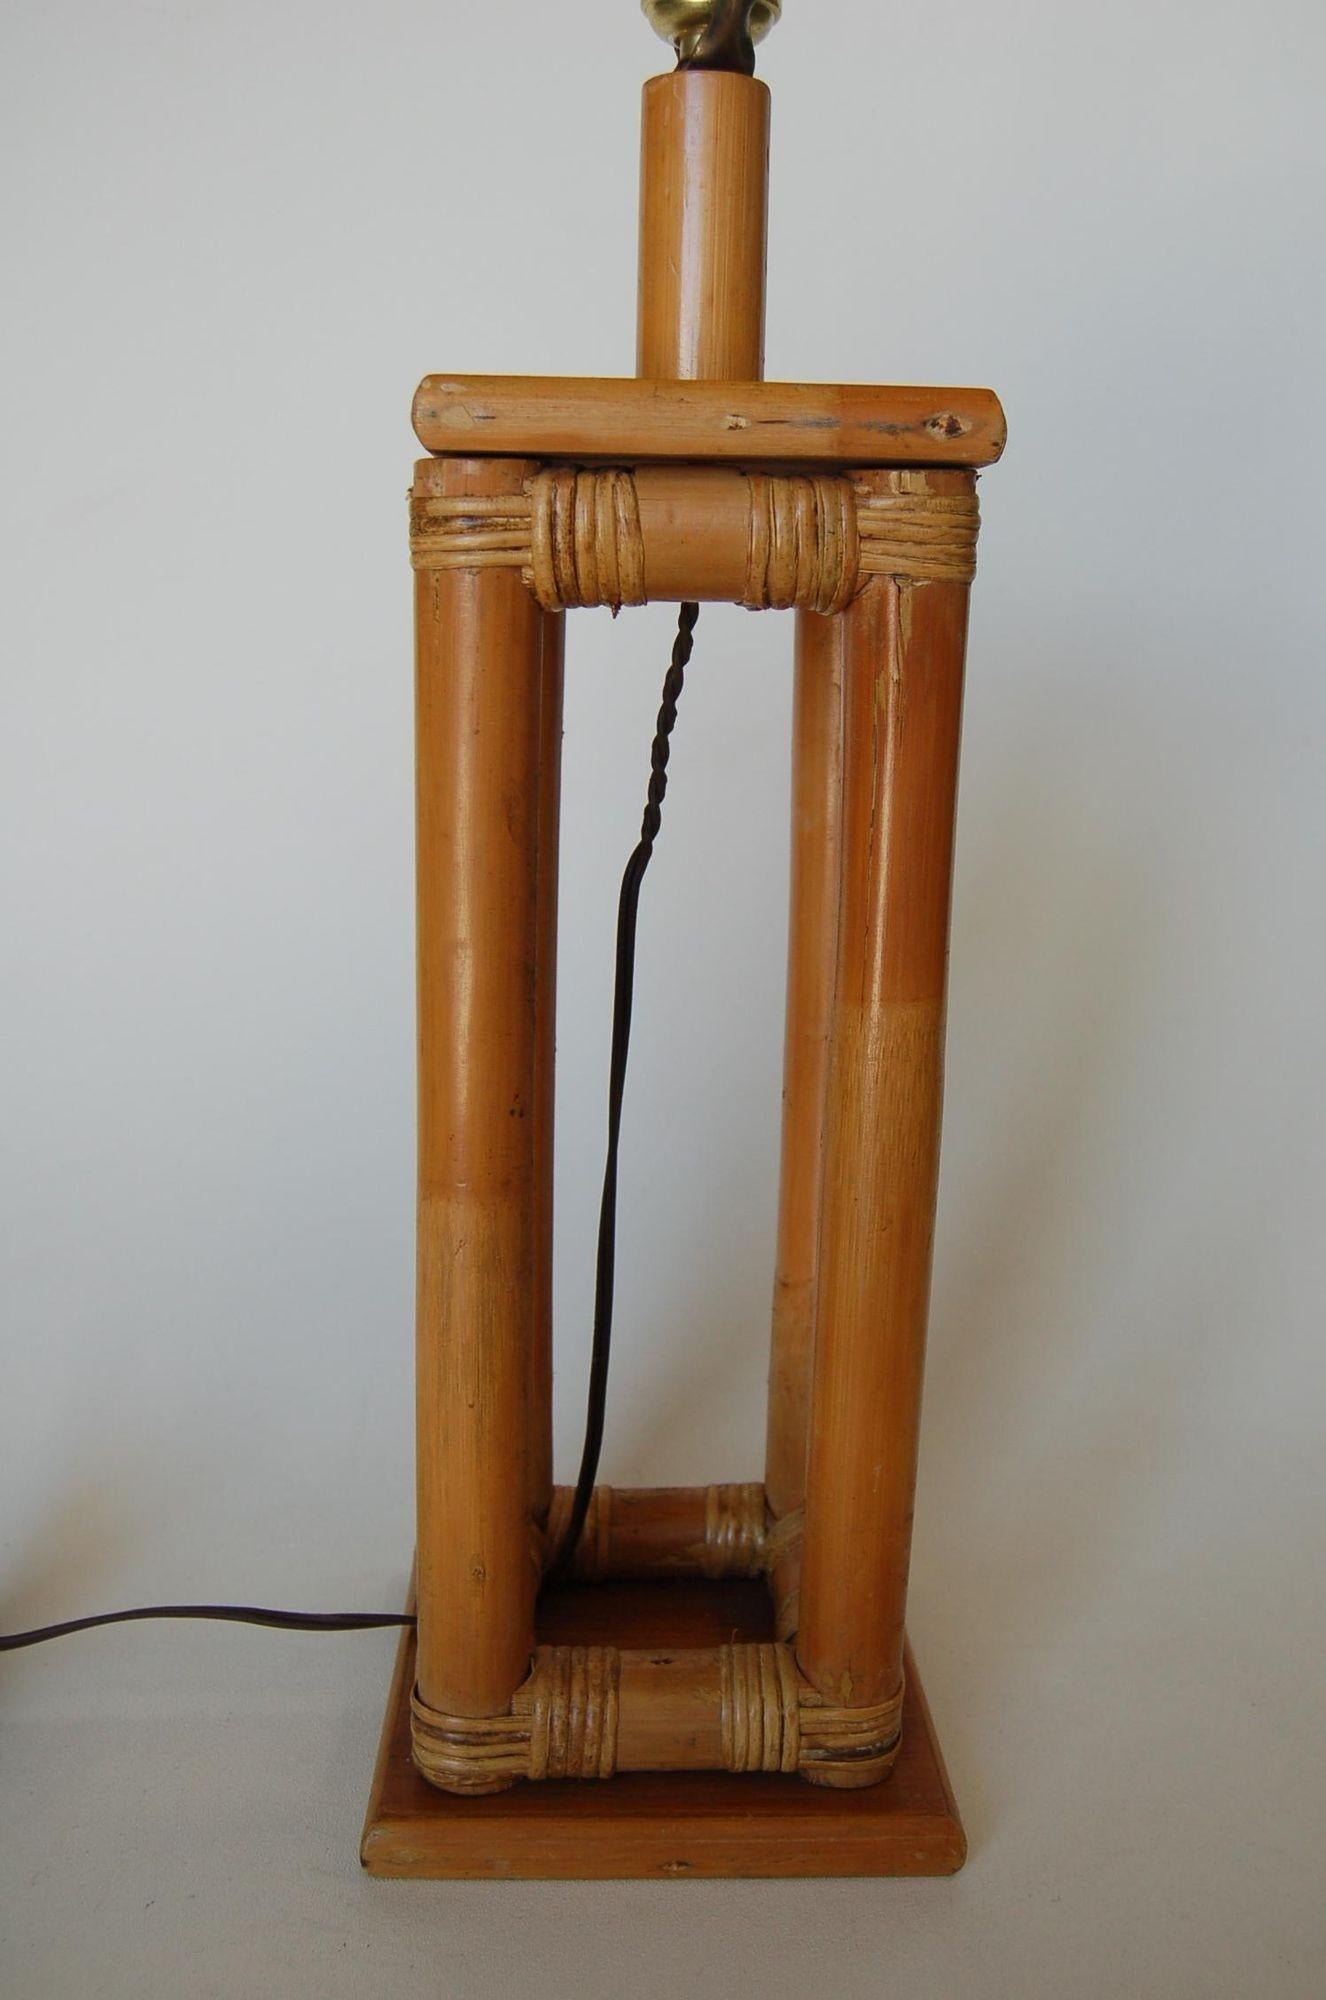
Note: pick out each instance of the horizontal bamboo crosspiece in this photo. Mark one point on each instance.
(712, 1531)
(591, 1711)
(674, 1531)
(581, 536)
(619, 421)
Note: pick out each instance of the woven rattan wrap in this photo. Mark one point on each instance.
(570, 1700)
(467, 1754)
(856, 1744)
(483, 531)
(733, 1531)
(585, 545)
(760, 1695)
(923, 537)
(803, 548)
(813, 540)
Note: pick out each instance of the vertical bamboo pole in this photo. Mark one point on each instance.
(553, 636)
(704, 186)
(903, 646)
(480, 661)
(811, 945)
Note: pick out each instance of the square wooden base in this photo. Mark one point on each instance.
(683, 1823)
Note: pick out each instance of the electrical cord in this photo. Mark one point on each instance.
(231, 1614)
(628, 905)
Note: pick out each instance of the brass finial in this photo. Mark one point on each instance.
(684, 22)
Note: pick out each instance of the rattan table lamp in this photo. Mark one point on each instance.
(716, 1682)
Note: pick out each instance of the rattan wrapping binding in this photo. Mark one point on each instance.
(811, 541)
(803, 548)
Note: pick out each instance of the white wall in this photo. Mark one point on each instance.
(236, 236)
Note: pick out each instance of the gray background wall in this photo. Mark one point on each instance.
(236, 236)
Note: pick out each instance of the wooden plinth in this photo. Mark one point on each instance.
(668, 1823)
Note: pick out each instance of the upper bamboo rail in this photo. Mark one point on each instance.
(745, 423)
(581, 536)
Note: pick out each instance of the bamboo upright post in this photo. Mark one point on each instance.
(901, 646)
(817, 690)
(704, 185)
(480, 675)
(552, 635)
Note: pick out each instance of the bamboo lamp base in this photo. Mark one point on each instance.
(657, 1824)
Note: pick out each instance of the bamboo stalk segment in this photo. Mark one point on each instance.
(553, 644)
(902, 647)
(613, 418)
(811, 946)
(662, 1531)
(480, 641)
(704, 196)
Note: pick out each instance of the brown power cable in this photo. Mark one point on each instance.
(624, 988)
(623, 994)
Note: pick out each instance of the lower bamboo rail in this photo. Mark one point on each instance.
(591, 1711)
(646, 1532)
(657, 1531)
